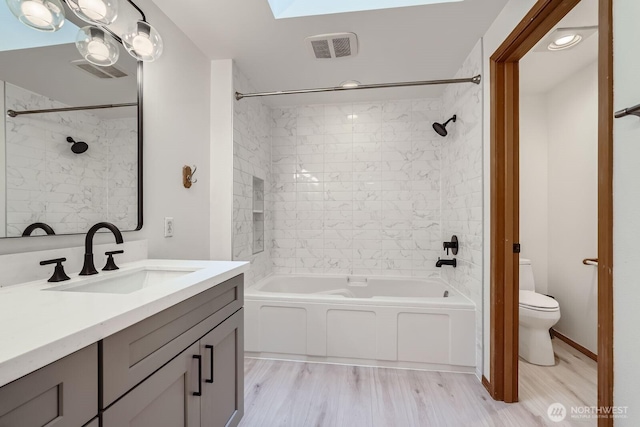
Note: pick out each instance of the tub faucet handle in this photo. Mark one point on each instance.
(453, 245)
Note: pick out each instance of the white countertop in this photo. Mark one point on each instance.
(38, 327)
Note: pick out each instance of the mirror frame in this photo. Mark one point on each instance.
(140, 157)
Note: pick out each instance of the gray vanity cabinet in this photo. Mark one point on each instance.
(152, 369)
(134, 353)
(222, 351)
(165, 399)
(181, 367)
(172, 397)
(64, 393)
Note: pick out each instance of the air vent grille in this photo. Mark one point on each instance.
(321, 49)
(93, 70)
(110, 72)
(333, 46)
(342, 47)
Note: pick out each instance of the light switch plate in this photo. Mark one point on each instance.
(168, 226)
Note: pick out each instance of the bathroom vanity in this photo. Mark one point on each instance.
(157, 343)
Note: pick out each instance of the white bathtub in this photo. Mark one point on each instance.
(374, 321)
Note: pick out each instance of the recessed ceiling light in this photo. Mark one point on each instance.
(350, 84)
(565, 41)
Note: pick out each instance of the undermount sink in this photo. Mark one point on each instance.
(122, 282)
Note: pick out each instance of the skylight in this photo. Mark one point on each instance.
(14, 35)
(297, 8)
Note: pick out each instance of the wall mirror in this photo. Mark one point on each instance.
(68, 168)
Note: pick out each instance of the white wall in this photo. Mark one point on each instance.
(559, 200)
(510, 16)
(626, 210)
(176, 133)
(221, 157)
(534, 195)
(573, 203)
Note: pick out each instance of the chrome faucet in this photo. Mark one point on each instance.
(89, 268)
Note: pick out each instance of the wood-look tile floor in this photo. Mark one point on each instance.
(295, 394)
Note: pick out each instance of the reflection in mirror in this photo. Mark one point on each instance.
(67, 169)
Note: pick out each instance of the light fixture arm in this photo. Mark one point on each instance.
(108, 30)
(144, 18)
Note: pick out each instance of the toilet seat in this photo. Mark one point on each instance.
(537, 302)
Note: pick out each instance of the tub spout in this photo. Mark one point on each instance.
(451, 262)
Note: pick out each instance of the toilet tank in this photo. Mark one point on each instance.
(526, 275)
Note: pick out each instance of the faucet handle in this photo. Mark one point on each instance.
(58, 273)
(111, 264)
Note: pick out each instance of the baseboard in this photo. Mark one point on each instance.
(487, 385)
(362, 362)
(591, 355)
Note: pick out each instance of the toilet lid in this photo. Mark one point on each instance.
(537, 301)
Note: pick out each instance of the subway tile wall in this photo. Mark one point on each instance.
(47, 182)
(356, 188)
(251, 157)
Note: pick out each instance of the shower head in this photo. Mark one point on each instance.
(441, 128)
(78, 147)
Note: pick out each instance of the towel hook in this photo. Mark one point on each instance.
(187, 176)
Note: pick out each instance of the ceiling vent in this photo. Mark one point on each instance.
(331, 46)
(110, 72)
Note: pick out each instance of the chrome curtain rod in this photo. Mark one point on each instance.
(12, 113)
(475, 79)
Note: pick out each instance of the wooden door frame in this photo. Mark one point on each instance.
(544, 15)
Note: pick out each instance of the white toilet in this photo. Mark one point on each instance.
(538, 313)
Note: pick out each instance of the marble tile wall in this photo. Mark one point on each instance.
(462, 186)
(356, 188)
(252, 157)
(121, 138)
(47, 182)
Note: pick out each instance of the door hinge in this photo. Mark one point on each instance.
(516, 248)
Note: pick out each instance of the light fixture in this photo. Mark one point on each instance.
(97, 47)
(42, 15)
(350, 84)
(143, 42)
(98, 12)
(565, 41)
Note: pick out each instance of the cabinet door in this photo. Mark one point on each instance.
(134, 353)
(165, 399)
(64, 393)
(222, 401)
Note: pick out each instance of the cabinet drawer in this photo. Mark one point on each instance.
(133, 354)
(64, 393)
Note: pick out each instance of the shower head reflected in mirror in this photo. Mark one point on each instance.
(78, 147)
(441, 128)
